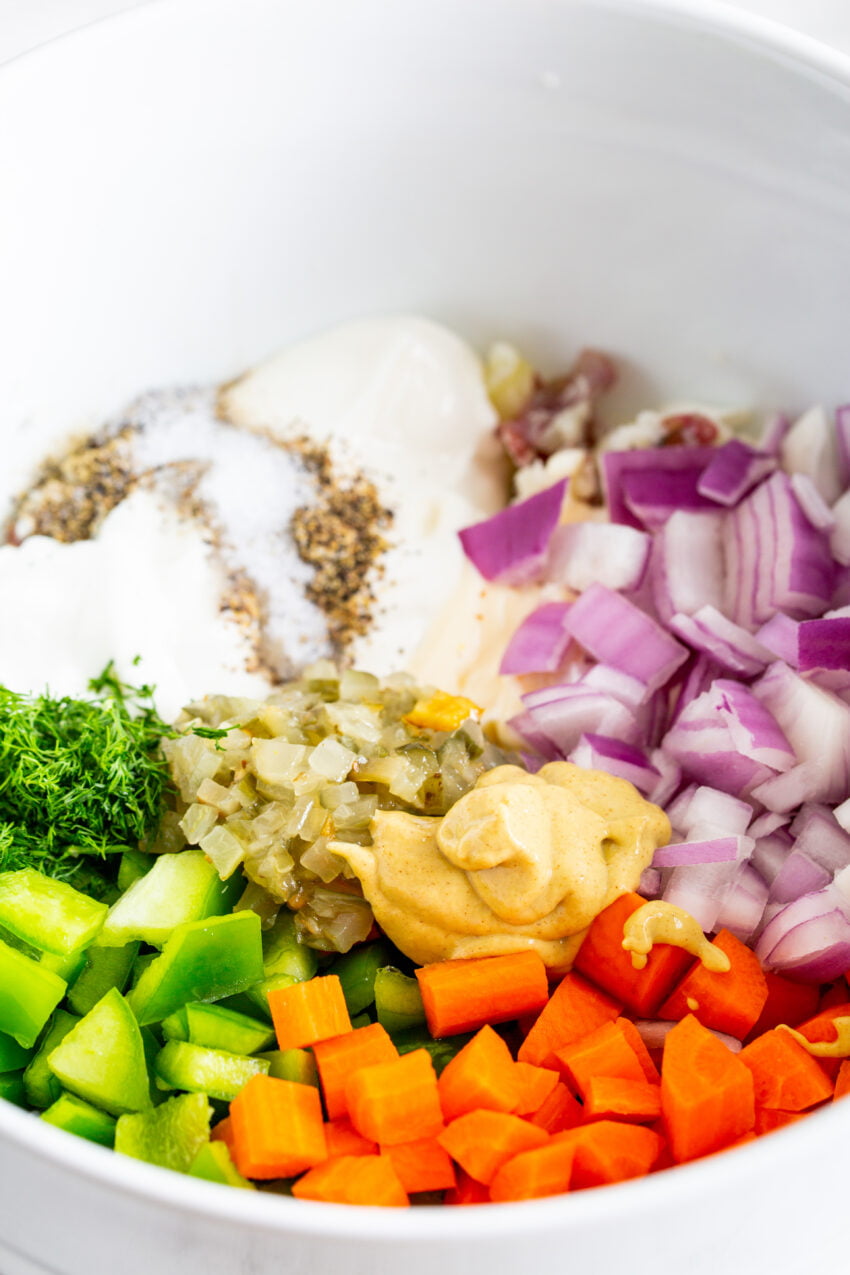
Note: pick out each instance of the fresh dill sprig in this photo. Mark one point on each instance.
(79, 779)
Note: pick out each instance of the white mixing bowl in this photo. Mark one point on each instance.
(193, 184)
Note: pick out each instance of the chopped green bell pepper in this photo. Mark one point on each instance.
(12, 1088)
(67, 967)
(356, 971)
(221, 1028)
(105, 967)
(201, 961)
(210, 1071)
(41, 1085)
(293, 1064)
(76, 1116)
(12, 1055)
(132, 866)
(442, 1051)
(397, 1000)
(213, 1164)
(29, 993)
(178, 888)
(285, 960)
(51, 915)
(102, 1059)
(170, 1136)
(176, 1025)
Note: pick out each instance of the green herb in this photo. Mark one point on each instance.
(79, 779)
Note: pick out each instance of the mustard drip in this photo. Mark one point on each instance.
(660, 922)
(838, 1048)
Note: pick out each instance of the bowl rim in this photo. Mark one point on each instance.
(192, 1197)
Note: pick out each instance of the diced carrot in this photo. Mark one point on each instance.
(610, 1098)
(574, 1009)
(534, 1174)
(422, 1165)
(467, 1191)
(729, 1002)
(277, 1128)
(787, 1002)
(482, 1075)
(396, 1101)
(481, 1141)
(644, 1057)
(834, 994)
(603, 959)
(605, 1052)
(560, 1111)
(536, 1084)
(706, 1092)
(608, 1151)
(307, 1012)
(821, 1028)
(343, 1139)
(767, 1120)
(461, 996)
(339, 1057)
(349, 1179)
(842, 1083)
(785, 1076)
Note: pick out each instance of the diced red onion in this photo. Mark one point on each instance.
(820, 836)
(686, 564)
(770, 852)
(612, 681)
(734, 470)
(817, 725)
(654, 1032)
(812, 503)
(779, 635)
(700, 889)
(710, 806)
(839, 537)
(650, 883)
(743, 904)
(525, 726)
(540, 643)
(563, 714)
(683, 853)
(511, 547)
(732, 647)
(669, 777)
(615, 631)
(841, 814)
(774, 431)
(824, 644)
(842, 440)
(659, 463)
(798, 875)
(581, 553)
(677, 811)
(783, 793)
(810, 447)
(809, 938)
(600, 752)
(701, 675)
(765, 824)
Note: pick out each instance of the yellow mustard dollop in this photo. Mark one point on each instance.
(521, 861)
(660, 922)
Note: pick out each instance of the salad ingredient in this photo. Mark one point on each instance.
(78, 779)
(837, 1048)
(575, 1009)
(48, 914)
(105, 967)
(785, 1075)
(422, 1165)
(609, 1097)
(338, 1057)
(461, 996)
(197, 1069)
(276, 1128)
(201, 961)
(537, 1084)
(519, 861)
(607, 1051)
(178, 888)
(308, 1012)
(707, 1094)
(29, 993)
(213, 1164)
(366, 1179)
(102, 1058)
(40, 1084)
(511, 546)
(482, 1075)
(218, 1027)
(398, 1001)
(395, 1101)
(540, 642)
(76, 1116)
(729, 1000)
(170, 1136)
(481, 1141)
(659, 922)
(607, 1151)
(533, 1175)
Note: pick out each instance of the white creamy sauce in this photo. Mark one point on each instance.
(401, 399)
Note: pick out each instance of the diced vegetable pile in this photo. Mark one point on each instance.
(246, 1058)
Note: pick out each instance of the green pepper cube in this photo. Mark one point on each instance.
(132, 866)
(41, 1085)
(441, 1051)
(356, 971)
(202, 961)
(29, 993)
(176, 1025)
(179, 888)
(74, 1115)
(102, 1059)
(210, 1071)
(67, 967)
(51, 915)
(105, 968)
(285, 960)
(293, 1064)
(220, 1028)
(397, 1000)
(12, 1055)
(213, 1164)
(12, 1088)
(170, 1136)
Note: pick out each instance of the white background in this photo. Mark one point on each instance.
(27, 23)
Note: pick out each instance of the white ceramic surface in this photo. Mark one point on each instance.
(192, 184)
